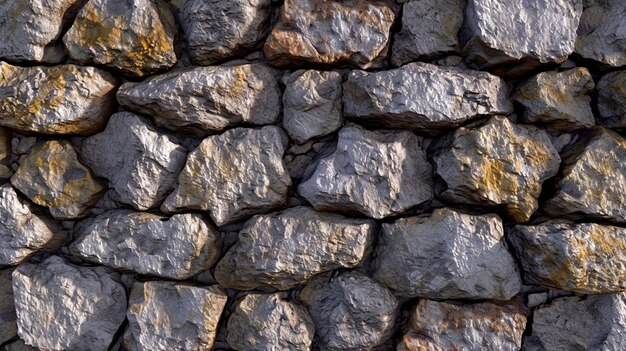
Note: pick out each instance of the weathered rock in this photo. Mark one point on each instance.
(440, 326)
(586, 257)
(19, 345)
(5, 153)
(429, 30)
(350, 311)
(612, 100)
(22, 232)
(233, 175)
(269, 322)
(218, 29)
(593, 178)
(312, 104)
(579, 323)
(557, 100)
(177, 247)
(377, 173)
(62, 306)
(8, 327)
(301, 159)
(141, 164)
(205, 99)
(496, 164)
(166, 316)
(512, 37)
(65, 99)
(52, 176)
(601, 33)
(284, 249)
(136, 37)
(336, 33)
(423, 97)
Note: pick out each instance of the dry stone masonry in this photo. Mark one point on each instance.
(312, 175)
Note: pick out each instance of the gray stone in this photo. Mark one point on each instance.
(612, 100)
(177, 247)
(233, 175)
(301, 159)
(200, 100)
(376, 173)
(270, 323)
(351, 311)
(537, 299)
(167, 316)
(218, 29)
(423, 97)
(62, 306)
(135, 37)
(429, 30)
(8, 326)
(557, 100)
(338, 33)
(601, 33)
(282, 250)
(65, 99)
(496, 164)
(19, 345)
(5, 153)
(312, 104)
(141, 164)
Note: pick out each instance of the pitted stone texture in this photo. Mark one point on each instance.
(218, 29)
(284, 249)
(8, 326)
(135, 37)
(447, 255)
(612, 100)
(22, 232)
(65, 99)
(166, 316)
(441, 326)
(586, 258)
(5, 153)
(557, 100)
(140, 163)
(595, 322)
(53, 177)
(350, 311)
(233, 175)
(496, 164)
(269, 322)
(602, 32)
(177, 247)
(429, 30)
(312, 104)
(499, 34)
(592, 182)
(423, 97)
(62, 306)
(337, 33)
(201, 100)
(376, 173)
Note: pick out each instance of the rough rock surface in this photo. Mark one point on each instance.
(200, 100)
(376, 173)
(62, 306)
(440, 326)
(586, 257)
(218, 29)
(282, 250)
(136, 37)
(429, 30)
(177, 247)
(497, 164)
(5, 153)
(312, 104)
(269, 322)
(612, 100)
(359, 30)
(602, 33)
(8, 327)
(593, 178)
(579, 323)
(65, 99)
(233, 175)
(166, 316)
(141, 164)
(557, 100)
(19, 345)
(423, 97)
(53, 177)
(350, 311)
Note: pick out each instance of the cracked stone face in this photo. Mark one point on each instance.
(612, 100)
(601, 35)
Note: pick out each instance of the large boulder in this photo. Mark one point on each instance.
(601, 34)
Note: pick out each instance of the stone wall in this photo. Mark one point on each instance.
(312, 174)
